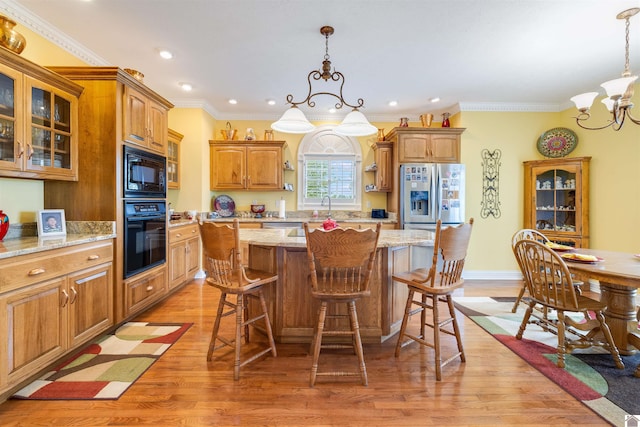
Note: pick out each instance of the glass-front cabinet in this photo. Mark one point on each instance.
(557, 199)
(38, 121)
(173, 159)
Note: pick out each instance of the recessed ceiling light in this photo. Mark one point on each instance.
(393, 103)
(436, 99)
(332, 110)
(164, 53)
(271, 101)
(233, 101)
(187, 87)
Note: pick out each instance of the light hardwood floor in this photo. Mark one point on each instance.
(493, 388)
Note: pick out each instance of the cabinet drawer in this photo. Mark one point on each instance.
(178, 234)
(28, 269)
(145, 290)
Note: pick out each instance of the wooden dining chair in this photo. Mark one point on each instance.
(434, 285)
(222, 258)
(340, 267)
(549, 284)
(525, 233)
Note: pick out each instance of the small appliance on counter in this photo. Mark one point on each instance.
(378, 213)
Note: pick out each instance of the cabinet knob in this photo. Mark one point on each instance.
(93, 257)
(149, 288)
(179, 235)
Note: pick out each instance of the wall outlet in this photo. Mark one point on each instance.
(368, 204)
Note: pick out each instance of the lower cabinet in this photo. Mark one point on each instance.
(184, 254)
(145, 289)
(44, 319)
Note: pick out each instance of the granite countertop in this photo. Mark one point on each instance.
(387, 239)
(301, 220)
(78, 232)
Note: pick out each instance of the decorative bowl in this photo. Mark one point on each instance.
(258, 210)
(135, 74)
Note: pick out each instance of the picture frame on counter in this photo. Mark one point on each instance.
(51, 223)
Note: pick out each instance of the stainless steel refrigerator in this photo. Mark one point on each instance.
(431, 191)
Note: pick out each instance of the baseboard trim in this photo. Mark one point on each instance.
(492, 275)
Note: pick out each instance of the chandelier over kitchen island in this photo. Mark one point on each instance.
(294, 120)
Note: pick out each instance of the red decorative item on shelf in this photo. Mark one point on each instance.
(4, 225)
(445, 120)
(329, 224)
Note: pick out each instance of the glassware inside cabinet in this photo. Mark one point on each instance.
(556, 200)
(7, 142)
(7, 118)
(7, 94)
(62, 114)
(40, 107)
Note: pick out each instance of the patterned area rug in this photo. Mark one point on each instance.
(106, 368)
(590, 374)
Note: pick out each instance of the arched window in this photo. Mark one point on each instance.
(329, 165)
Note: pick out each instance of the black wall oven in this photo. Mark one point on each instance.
(144, 174)
(145, 235)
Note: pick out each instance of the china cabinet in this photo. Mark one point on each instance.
(38, 121)
(556, 199)
(173, 159)
(184, 253)
(246, 165)
(52, 302)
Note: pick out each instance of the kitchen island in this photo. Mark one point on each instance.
(293, 310)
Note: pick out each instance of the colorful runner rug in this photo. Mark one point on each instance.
(106, 368)
(590, 374)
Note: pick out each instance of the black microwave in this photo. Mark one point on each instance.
(144, 173)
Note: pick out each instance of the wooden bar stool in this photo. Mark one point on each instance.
(340, 265)
(434, 285)
(221, 244)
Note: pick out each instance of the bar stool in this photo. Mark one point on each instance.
(221, 244)
(340, 265)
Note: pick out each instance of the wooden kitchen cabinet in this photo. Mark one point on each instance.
(246, 165)
(144, 289)
(145, 121)
(184, 254)
(104, 120)
(38, 121)
(556, 199)
(173, 159)
(62, 299)
(426, 145)
(384, 166)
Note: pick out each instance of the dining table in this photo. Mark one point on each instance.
(619, 277)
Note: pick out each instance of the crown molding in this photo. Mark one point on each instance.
(34, 23)
(510, 107)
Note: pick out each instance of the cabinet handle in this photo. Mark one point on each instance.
(179, 235)
(149, 288)
(93, 257)
(36, 271)
(66, 298)
(30, 151)
(21, 150)
(193, 231)
(75, 295)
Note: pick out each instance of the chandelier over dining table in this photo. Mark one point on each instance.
(294, 120)
(619, 91)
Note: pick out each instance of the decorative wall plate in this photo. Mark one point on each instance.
(225, 206)
(557, 142)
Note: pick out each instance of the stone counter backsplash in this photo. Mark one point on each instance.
(30, 229)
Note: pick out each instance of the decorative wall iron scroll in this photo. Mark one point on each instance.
(490, 183)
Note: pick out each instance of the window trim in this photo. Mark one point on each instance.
(341, 146)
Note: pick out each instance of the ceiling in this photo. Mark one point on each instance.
(489, 55)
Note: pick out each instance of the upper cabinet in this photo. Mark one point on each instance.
(426, 145)
(383, 168)
(557, 199)
(145, 121)
(246, 165)
(173, 159)
(38, 121)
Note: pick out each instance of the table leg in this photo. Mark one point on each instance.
(621, 315)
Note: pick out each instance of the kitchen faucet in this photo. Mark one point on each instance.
(322, 204)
